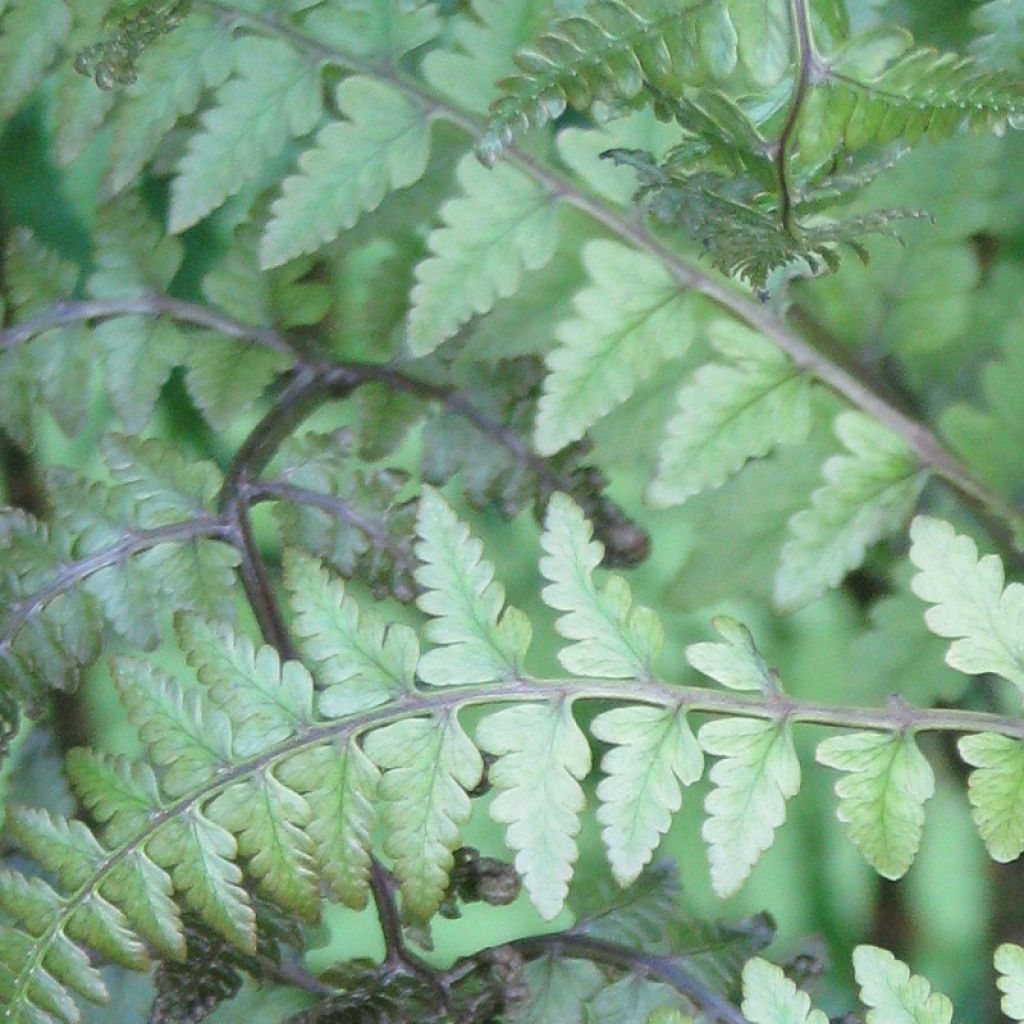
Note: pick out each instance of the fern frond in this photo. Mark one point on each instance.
(501, 225)
(996, 791)
(30, 32)
(1009, 962)
(890, 991)
(772, 998)
(382, 31)
(610, 52)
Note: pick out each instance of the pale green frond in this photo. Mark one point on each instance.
(188, 739)
(382, 31)
(274, 96)
(894, 995)
(758, 772)
(867, 494)
(428, 765)
(143, 890)
(266, 700)
(340, 784)
(382, 145)
(200, 857)
(611, 638)
(478, 638)
(631, 319)
(30, 33)
(270, 823)
(172, 75)
(996, 792)
(882, 796)
(121, 794)
(541, 758)
(737, 663)
(502, 224)
(358, 658)
(765, 32)
(970, 606)
(769, 997)
(730, 413)
(654, 754)
(1009, 962)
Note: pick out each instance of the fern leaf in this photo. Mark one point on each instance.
(560, 989)
(996, 791)
(199, 854)
(882, 796)
(632, 998)
(172, 75)
(654, 754)
(383, 31)
(383, 145)
(541, 758)
(501, 224)
(867, 494)
(765, 37)
(769, 997)
(968, 601)
(758, 772)
(479, 639)
(340, 785)
(630, 320)
(610, 53)
(737, 663)
(30, 32)
(189, 740)
(267, 701)
(484, 45)
(730, 413)
(270, 823)
(1009, 962)
(893, 993)
(611, 639)
(275, 95)
(360, 661)
(428, 765)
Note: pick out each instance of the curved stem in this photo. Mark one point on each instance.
(804, 65)
(917, 436)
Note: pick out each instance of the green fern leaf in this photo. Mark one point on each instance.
(428, 765)
(758, 772)
(730, 413)
(189, 740)
(1009, 962)
(632, 998)
(359, 660)
(631, 319)
(340, 784)
(383, 31)
(383, 145)
(276, 95)
(882, 796)
(996, 791)
(30, 32)
(867, 494)
(654, 754)
(172, 76)
(541, 758)
(611, 639)
(737, 663)
(769, 997)
(969, 602)
(502, 224)
(610, 53)
(765, 32)
(560, 989)
(478, 638)
(267, 701)
(893, 993)
(484, 47)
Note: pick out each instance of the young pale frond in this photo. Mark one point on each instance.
(769, 997)
(1009, 962)
(892, 993)
(611, 638)
(969, 604)
(629, 321)
(737, 663)
(382, 145)
(882, 796)
(478, 638)
(729, 413)
(867, 494)
(502, 224)
(542, 756)
(996, 791)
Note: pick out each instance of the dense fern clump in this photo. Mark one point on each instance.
(330, 293)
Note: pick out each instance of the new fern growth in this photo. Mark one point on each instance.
(338, 280)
